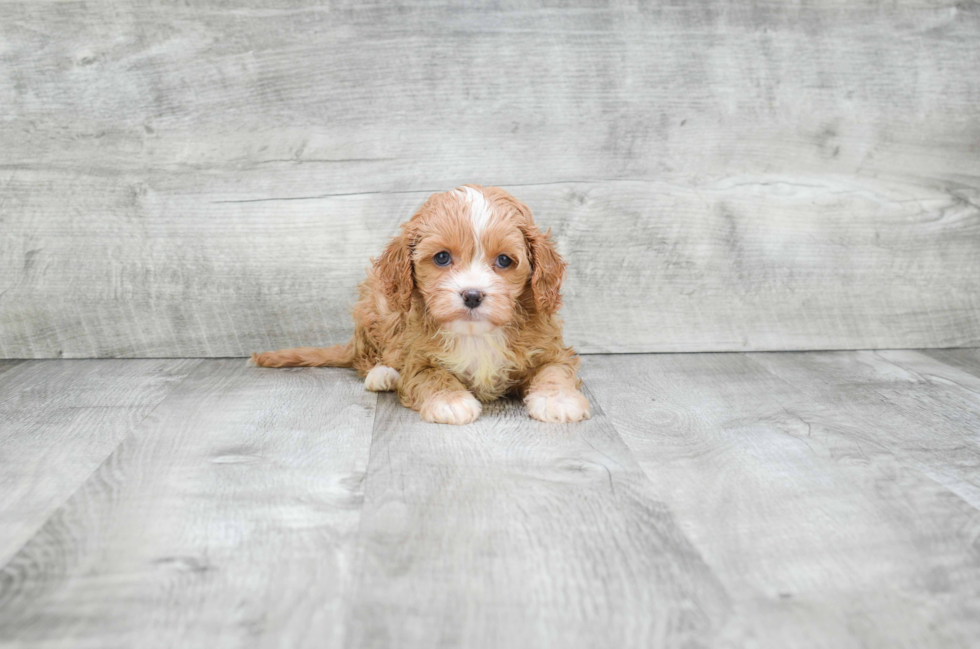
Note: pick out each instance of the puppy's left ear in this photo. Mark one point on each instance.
(547, 269)
(394, 269)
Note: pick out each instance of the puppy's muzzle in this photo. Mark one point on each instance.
(472, 298)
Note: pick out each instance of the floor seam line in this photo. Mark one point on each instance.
(900, 456)
(358, 569)
(82, 483)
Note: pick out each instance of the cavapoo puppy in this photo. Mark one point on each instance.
(460, 308)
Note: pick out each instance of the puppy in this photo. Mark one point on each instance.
(460, 309)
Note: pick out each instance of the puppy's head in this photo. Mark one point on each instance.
(474, 255)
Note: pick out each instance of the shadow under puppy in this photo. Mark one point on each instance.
(460, 308)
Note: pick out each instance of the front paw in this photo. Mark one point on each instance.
(451, 408)
(558, 406)
(381, 378)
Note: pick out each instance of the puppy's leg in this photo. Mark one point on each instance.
(438, 396)
(381, 378)
(552, 394)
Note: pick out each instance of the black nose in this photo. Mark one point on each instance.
(472, 298)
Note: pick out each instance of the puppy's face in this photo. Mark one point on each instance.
(471, 263)
(471, 253)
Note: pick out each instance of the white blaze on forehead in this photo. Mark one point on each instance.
(477, 276)
(479, 209)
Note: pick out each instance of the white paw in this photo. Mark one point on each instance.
(381, 378)
(558, 406)
(451, 408)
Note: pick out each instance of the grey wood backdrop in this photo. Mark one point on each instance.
(210, 178)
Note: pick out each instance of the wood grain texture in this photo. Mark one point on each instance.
(59, 420)
(724, 500)
(967, 360)
(8, 365)
(513, 533)
(201, 180)
(225, 520)
(931, 410)
(802, 503)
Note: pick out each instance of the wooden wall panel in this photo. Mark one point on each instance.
(211, 179)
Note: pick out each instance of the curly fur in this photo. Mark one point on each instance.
(410, 320)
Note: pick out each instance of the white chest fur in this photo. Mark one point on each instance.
(482, 361)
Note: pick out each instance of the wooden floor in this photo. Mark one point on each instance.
(776, 500)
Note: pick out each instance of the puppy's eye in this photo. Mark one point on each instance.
(442, 258)
(503, 261)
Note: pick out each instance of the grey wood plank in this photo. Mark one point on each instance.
(8, 365)
(768, 272)
(225, 520)
(198, 181)
(512, 533)
(967, 359)
(928, 412)
(60, 420)
(820, 532)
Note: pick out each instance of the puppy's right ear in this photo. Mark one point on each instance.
(394, 270)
